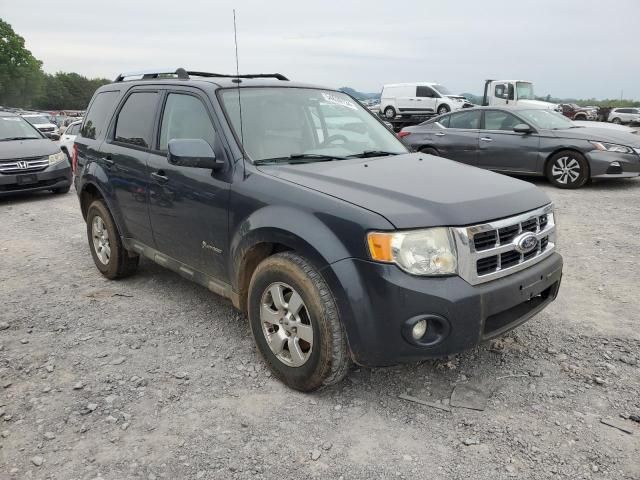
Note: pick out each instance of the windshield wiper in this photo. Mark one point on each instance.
(300, 158)
(373, 153)
(18, 138)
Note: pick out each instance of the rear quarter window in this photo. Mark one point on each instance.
(98, 115)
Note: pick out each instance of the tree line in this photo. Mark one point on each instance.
(23, 83)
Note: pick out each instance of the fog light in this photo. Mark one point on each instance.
(614, 164)
(419, 329)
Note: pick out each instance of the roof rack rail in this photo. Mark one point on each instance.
(183, 74)
(277, 76)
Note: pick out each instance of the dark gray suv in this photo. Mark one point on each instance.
(302, 208)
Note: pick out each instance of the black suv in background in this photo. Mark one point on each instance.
(300, 206)
(29, 161)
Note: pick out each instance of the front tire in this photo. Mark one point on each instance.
(567, 169)
(390, 112)
(107, 250)
(295, 323)
(442, 109)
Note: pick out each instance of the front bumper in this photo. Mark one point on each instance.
(376, 301)
(600, 164)
(55, 176)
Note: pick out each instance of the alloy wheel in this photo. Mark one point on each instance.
(566, 170)
(286, 324)
(100, 237)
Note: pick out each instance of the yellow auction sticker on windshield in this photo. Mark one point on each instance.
(339, 101)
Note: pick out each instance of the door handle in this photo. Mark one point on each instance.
(108, 161)
(440, 134)
(486, 139)
(160, 176)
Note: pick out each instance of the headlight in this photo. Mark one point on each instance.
(57, 158)
(428, 251)
(611, 147)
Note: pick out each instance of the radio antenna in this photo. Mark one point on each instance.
(237, 80)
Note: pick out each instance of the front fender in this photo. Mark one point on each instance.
(294, 228)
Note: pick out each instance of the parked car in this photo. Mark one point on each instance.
(576, 112)
(28, 160)
(68, 137)
(339, 244)
(531, 142)
(42, 123)
(624, 115)
(419, 99)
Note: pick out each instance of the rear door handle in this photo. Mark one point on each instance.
(440, 134)
(486, 139)
(160, 176)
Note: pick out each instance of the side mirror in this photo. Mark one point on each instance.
(194, 153)
(511, 92)
(522, 128)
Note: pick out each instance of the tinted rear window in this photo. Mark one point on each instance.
(98, 114)
(135, 120)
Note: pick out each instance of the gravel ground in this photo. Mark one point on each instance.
(155, 377)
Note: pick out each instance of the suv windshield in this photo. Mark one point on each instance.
(525, 91)
(15, 128)
(314, 124)
(442, 90)
(546, 119)
(37, 120)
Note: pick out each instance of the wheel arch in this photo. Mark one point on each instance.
(91, 191)
(276, 229)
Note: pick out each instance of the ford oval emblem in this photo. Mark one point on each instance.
(526, 242)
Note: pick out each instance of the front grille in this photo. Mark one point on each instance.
(24, 165)
(489, 251)
(46, 129)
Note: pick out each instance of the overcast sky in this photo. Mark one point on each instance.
(568, 48)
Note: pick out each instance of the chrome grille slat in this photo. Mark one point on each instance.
(479, 265)
(33, 164)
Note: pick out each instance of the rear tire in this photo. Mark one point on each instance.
(107, 250)
(296, 324)
(430, 151)
(390, 112)
(567, 169)
(617, 121)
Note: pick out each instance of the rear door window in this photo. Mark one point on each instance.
(444, 121)
(99, 114)
(135, 120)
(497, 120)
(465, 120)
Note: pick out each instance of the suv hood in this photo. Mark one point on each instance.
(417, 190)
(599, 135)
(39, 147)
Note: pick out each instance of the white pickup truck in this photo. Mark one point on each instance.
(513, 93)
